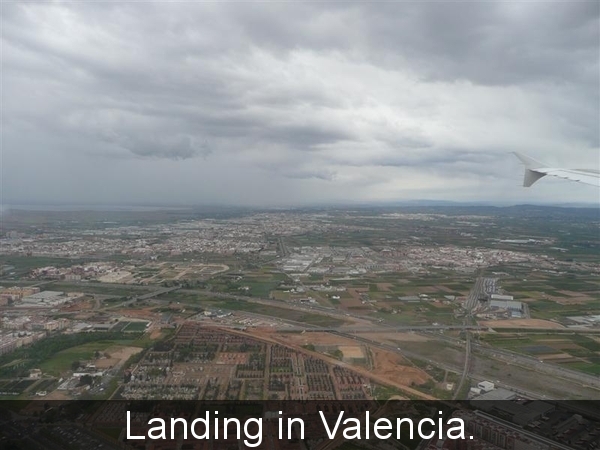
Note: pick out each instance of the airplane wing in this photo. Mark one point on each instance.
(534, 170)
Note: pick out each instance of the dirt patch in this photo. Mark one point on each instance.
(394, 337)
(156, 333)
(437, 304)
(578, 300)
(394, 375)
(569, 346)
(85, 305)
(385, 287)
(117, 355)
(571, 293)
(123, 352)
(145, 313)
(348, 303)
(106, 363)
(555, 356)
(351, 351)
(354, 300)
(443, 289)
(520, 323)
(392, 367)
(388, 365)
(54, 395)
(317, 339)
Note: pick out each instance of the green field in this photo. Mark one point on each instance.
(61, 361)
(135, 327)
(56, 353)
(24, 264)
(584, 350)
(260, 283)
(204, 301)
(592, 368)
(106, 289)
(548, 309)
(275, 312)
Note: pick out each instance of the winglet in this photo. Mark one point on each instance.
(531, 175)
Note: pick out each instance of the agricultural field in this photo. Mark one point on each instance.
(417, 313)
(104, 289)
(578, 352)
(22, 265)
(206, 302)
(552, 310)
(15, 387)
(131, 327)
(62, 361)
(136, 327)
(56, 354)
(252, 283)
(564, 286)
(177, 271)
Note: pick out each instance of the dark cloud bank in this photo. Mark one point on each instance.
(274, 103)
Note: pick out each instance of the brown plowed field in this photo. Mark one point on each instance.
(520, 323)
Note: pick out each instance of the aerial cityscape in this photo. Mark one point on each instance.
(318, 216)
(423, 303)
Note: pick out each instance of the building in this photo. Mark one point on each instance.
(501, 434)
(91, 374)
(15, 323)
(72, 277)
(496, 394)
(8, 344)
(508, 305)
(48, 325)
(44, 299)
(486, 386)
(517, 412)
(14, 294)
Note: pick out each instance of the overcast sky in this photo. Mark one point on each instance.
(280, 104)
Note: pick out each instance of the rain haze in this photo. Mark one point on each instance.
(276, 104)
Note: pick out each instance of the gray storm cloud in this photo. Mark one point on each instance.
(296, 103)
(174, 146)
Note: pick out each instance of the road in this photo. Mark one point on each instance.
(282, 248)
(527, 362)
(465, 372)
(482, 286)
(473, 297)
(505, 356)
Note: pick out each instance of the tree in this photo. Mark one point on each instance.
(75, 365)
(86, 379)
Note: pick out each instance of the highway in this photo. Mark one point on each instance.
(350, 331)
(377, 327)
(465, 371)
(481, 285)
(526, 362)
(282, 248)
